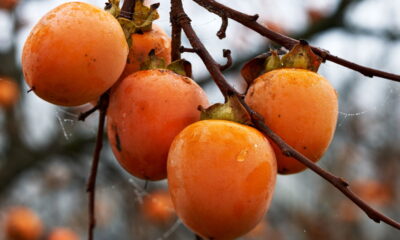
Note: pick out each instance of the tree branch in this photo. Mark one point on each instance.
(184, 21)
(91, 184)
(287, 42)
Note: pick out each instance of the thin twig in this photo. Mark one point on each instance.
(84, 115)
(221, 34)
(183, 49)
(91, 184)
(229, 61)
(227, 90)
(250, 22)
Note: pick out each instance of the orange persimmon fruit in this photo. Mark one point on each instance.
(9, 92)
(62, 233)
(157, 207)
(22, 223)
(301, 107)
(142, 43)
(221, 176)
(147, 110)
(74, 54)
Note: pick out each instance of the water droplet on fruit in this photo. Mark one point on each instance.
(242, 155)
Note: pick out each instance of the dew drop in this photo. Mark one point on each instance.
(242, 155)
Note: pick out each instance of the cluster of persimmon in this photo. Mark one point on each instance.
(22, 223)
(221, 172)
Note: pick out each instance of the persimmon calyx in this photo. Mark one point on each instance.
(301, 56)
(153, 62)
(180, 66)
(112, 6)
(142, 20)
(232, 110)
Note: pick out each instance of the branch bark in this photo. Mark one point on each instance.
(250, 22)
(184, 21)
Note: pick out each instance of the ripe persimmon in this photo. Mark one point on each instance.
(62, 233)
(301, 107)
(221, 176)
(147, 110)
(22, 223)
(9, 92)
(157, 207)
(74, 54)
(142, 43)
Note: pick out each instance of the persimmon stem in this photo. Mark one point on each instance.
(184, 21)
(84, 115)
(250, 22)
(91, 184)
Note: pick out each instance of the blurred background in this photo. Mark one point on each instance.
(45, 152)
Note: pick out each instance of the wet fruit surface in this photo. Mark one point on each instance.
(301, 107)
(74, 54)
(221, 177)
(147, 110)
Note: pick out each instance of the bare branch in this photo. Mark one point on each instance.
(91, 184)
(257, 120)
(222, 31)
(229, 62)
(287, 42)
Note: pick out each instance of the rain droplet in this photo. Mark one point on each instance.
(242, 155)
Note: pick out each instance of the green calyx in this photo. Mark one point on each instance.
(181, 66)
(300, 56)
(232, 110)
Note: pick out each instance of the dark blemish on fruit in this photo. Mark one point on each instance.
(118, 142)
(186, 80)
(304, 147)
(86, 55)
(279, 116)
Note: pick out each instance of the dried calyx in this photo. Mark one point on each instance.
(232, 110)
(180, 66)
(142, 17)
(300, 56)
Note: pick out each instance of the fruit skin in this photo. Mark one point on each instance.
(9, 92)
(22, 223)
(147, 110)
(221, 176)
(301, 107)
(157, 207)
(142, 44)
(74, 54)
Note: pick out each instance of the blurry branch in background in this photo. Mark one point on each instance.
(228, 91)
(335, 20)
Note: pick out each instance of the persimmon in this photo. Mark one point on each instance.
(221, 176)
(142, 43)
(74, 54)
(22, 223)
(147, 110)
(62, 233)
(157, 207)
(9, 92)
(299, 105)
